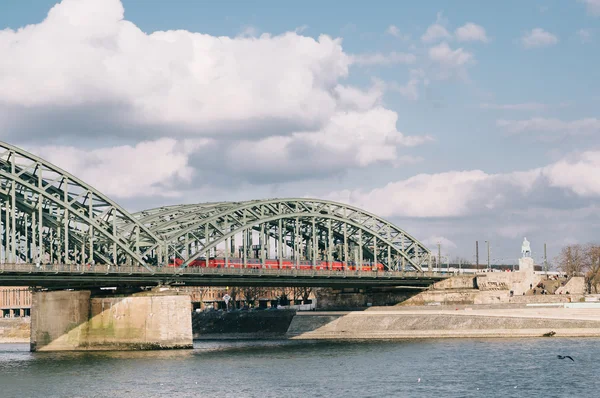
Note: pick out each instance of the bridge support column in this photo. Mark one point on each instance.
(79, 321)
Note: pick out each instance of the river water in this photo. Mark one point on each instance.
(284, 368)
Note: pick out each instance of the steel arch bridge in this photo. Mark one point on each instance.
(50, 216)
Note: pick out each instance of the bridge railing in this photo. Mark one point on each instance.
(173, 271)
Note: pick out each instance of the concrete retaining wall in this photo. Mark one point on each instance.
(58, 319)
(73, 320)
(15, 330)
(139, 322)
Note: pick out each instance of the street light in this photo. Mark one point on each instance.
(488, 255)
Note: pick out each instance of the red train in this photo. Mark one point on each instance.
(274, 264)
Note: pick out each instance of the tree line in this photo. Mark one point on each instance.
(581, 260)
(285, 295)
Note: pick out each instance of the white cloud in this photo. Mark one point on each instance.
(249, 31)
(578, 174)
(274, 95)
(551, 126)
(383, 59)
(538, 38)
(585, 35)
(445, 243)
(514, 231)
(435, 33)
(410, 90)
(300, 29)
(350, 139)
(394, 31)
(525, 106)
(593, 7)
(150, 168)
(444, 55)
(425, 195)
(471, 32)
(85, 54)
(352, 98)
(460, 194)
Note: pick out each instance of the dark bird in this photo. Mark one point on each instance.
(565, 357)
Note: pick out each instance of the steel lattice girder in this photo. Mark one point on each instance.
(33, 189)
(180, 226)
(49, 212)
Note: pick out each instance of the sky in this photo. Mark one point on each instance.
(458, 121)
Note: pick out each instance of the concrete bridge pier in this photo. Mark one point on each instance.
(80, 321)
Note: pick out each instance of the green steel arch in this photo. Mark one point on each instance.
(49, 215)
(313, 229)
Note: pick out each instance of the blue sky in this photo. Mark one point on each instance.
(497, 121)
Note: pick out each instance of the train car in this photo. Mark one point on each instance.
(306, 265)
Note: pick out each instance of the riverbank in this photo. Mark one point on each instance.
(448, 322)
(443, 321)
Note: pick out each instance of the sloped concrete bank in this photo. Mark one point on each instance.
(389, 324)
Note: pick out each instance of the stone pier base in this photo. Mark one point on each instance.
(77, 321)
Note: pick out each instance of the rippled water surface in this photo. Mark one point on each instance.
(446, 368)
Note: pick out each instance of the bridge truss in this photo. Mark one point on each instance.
(50, 216)
(307, 230)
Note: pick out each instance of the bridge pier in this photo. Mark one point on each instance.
(80, 321)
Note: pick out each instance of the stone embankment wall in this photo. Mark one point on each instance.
(546, 299)
(518, 282)
(575, 285)
(15, 330)
(354, 299)
(241, 324)
(455, 290)
(427, 297)
(494, 288)
(456, 282)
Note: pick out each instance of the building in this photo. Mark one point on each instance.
(15, 301)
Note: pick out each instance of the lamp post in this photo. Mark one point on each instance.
(545, 262)
(439, 259)
(488, 255)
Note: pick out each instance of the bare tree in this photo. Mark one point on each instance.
(592, 266)
(285, 295)
(305, 293)
(464, 262)
(571, 259)
(581, 260)
(251, 294)
(234, 292)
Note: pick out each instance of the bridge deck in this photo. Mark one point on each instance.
(83, 276)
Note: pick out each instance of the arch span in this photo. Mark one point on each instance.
(309, 229)
(49, 215)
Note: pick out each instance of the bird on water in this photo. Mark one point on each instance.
(565, 357)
